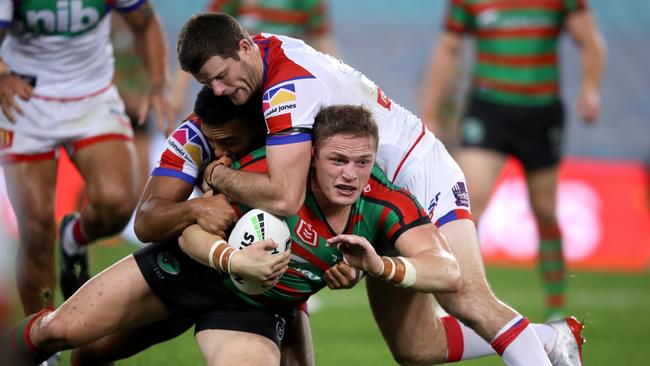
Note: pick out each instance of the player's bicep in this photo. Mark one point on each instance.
(582, 27)
(289, 165)
(167, 188)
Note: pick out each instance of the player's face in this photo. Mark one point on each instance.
(234, 138)
(342, 166)
(238, 80)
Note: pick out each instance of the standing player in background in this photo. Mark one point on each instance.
(515, 106)
(296, 81)
(304, 19)
(56, 90)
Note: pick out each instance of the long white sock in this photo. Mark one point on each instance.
(518, 344)
(463, 343)
(73, 242)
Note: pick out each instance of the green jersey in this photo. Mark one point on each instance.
(295, 18)
(516, 45)
(381, 214)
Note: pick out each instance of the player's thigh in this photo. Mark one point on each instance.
(228, 347)
(297, 345)
(117, 299)
(31, 188)
(481, 168)
(109, 168)
(406, 318)
(542, 190)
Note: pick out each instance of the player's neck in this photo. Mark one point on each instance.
(336, 215)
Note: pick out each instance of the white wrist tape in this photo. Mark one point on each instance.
(221, 248)
(410, 273)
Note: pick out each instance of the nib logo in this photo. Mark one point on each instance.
(69, 17)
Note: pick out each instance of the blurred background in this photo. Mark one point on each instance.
(604, 203)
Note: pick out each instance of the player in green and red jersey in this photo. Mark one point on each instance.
(164, 282)
(515, 107)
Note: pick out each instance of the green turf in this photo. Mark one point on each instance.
(614, 306)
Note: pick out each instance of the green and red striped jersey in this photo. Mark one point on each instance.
(516, 46)
(295, 18)
(381, 214)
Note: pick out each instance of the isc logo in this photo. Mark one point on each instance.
(70, 16)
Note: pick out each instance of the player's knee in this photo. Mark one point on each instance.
(114, 203)
(416, 357)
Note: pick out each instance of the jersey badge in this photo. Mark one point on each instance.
(307, 234)
(278, 100)
(460, 192)
(383, 100)
(187, 144)
(433, 204)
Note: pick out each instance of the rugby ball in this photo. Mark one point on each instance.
(254, 226)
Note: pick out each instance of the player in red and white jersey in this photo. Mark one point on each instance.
(296, 81)
(56, 71)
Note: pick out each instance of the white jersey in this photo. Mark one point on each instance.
(62, 46)
(299, 80)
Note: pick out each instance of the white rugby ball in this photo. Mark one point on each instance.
(254, 226)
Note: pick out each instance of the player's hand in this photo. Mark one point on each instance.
(358, 252)
(342, 276)
(10, 87)
(255, 263)
(165, 115)
(215, 214)
(588, 105)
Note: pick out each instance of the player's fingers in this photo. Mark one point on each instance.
(143, 111)
(331, 281)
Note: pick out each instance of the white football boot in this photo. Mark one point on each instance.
(567, 350)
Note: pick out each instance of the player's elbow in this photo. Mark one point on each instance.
(288, 203)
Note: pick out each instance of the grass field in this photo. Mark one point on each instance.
(615, 307)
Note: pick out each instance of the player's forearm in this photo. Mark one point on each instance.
(593, 62)
(282, 194)
(197, 242)
(158, 219)
(150, 44)
(441, 69)
(437, 271)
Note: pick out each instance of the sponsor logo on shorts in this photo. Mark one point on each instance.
(473, 130)
(6, 138)
(460, 192)
(280, 324)
(307, 234)
(168, 263)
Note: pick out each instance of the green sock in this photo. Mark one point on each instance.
(551, 266)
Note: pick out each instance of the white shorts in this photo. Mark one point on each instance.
(438, 183)
(48, 123)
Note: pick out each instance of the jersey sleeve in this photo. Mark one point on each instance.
(126, 6)
(398, 209)
(6, 13)
(458, 18)
(290, 108)
(186, 153)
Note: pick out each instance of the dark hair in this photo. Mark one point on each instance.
(206, 35)
(218, 110)
(343, 119)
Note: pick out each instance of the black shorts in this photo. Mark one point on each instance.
(190, 289)
(531, 134)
